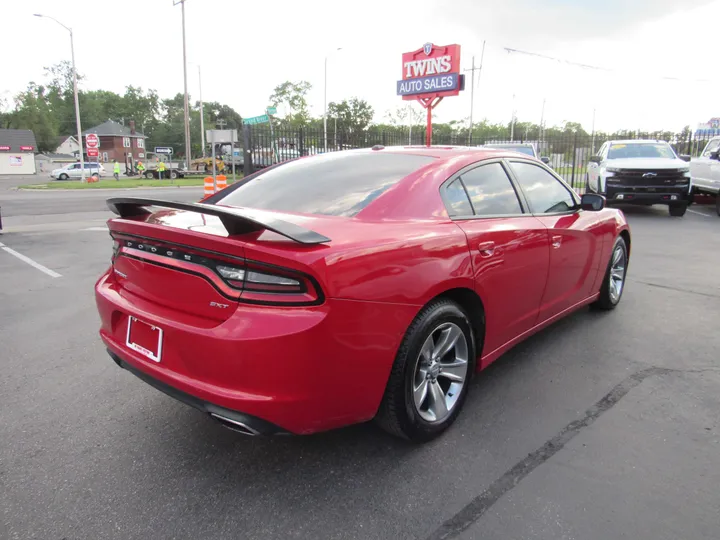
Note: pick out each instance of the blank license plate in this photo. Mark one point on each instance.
(144, 338)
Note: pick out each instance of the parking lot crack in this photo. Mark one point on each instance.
(477, 507)
(677, 289)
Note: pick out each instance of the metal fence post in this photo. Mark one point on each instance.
(301, 142)
(572, 181)
(384, 138)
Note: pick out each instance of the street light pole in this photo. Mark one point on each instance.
(202, 116)
(325, 105)
(187, 105)
(75, 92)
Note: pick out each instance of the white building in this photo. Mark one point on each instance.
(17, 151)
(68, 145)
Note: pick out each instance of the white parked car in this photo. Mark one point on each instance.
(641, 172)
(706, 171)
(73, 170)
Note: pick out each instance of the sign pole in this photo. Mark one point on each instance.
(212, 141)
(232, 151)
(272, 141)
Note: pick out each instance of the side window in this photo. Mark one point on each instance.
(491, 191)
(711, 147)
(456, 200)
(545, 194)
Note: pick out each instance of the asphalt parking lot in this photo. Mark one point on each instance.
(604, 426)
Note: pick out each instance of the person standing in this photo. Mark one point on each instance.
(161, 169)
(116, 170)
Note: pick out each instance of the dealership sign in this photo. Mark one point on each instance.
(430, 71)
(429, 74)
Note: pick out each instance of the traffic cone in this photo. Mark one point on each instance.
(209, 190)
(221, 182)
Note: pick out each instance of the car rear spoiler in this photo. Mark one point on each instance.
(235, 220)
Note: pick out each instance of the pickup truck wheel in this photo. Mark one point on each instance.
(677, 210)
(173, 175)
(148, 175)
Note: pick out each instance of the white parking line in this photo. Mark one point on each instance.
(698, 213)
(104, 229)
(28, 260)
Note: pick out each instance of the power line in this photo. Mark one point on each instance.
(598, 68)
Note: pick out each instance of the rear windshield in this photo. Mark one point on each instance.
(522, 149)
(335, 184)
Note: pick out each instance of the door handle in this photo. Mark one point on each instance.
(556, 241)
(486, 249)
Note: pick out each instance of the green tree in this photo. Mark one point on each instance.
(352, 115)
(33, 111)
(293, 96)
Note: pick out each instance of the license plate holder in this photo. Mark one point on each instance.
(147, 339)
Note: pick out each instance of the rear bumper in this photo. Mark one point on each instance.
(298, 370)
(251, 424)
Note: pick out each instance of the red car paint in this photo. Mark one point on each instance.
(325, 363)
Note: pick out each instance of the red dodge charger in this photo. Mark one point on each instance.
(358, 285)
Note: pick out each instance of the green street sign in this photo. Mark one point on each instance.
(256, 120)
(272, 110)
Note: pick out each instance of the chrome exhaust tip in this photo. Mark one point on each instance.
(234, 425)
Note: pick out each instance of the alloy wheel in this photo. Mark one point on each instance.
(617, 274)
(440, 372)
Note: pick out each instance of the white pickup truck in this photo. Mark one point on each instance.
(705, 171)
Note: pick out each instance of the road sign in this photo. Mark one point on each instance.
(92, 152)
(92, 141)
(263, 118)
(272, 110)
(163, 150)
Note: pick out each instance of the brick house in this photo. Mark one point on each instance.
(118, 142)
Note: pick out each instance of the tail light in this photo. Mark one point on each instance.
(115, 249)
(272, 285)
(239, 279)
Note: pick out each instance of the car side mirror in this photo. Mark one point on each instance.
(595, 159)
(715, 155)
(685, 157)
(545, 160)
(592, 202)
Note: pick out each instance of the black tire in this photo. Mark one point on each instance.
(397, 414)
(606, 301)
(173, 175)
(63, 177)
(149, 175)
(677, 210)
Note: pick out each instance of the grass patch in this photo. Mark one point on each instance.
(123, 183)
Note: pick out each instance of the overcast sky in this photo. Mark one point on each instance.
(246, 48)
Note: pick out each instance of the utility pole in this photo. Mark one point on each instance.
(541, 135)
(202, 116)
(187, 105)
(472, 90)
(512, 121)
(75, 92)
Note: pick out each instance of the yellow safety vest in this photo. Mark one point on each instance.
(161, 166)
